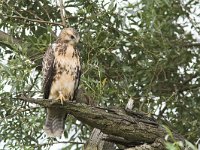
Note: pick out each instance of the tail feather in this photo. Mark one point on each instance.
(55, 122)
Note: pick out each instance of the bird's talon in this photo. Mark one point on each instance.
(61, 98)
(54, 101)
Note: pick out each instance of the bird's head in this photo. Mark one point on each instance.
(69, 35)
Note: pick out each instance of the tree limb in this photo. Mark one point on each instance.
(132, 129)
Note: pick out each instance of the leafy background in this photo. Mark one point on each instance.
(145, 50)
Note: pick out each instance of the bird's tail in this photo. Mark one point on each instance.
(55, 122)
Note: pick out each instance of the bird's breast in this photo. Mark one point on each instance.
(66, 65)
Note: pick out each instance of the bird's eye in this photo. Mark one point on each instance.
(72, 37)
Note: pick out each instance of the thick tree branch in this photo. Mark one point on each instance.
(130, 129)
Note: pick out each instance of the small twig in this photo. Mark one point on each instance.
(33, 84)
(161, 112)
(46, 13)
(18, 112)
(31, 13)
(36, 20)
(58, 142)
(190, 78)
(192, 45)
(20, 16)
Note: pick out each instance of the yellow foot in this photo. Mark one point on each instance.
(61, 97)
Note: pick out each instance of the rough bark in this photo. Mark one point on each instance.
(122, 127)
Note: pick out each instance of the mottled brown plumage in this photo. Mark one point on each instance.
(61, 73)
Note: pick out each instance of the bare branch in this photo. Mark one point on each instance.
(62, 13)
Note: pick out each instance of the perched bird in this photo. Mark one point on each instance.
(61, 72)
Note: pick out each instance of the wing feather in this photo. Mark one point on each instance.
(77, 81)
(77, 77)
(48, 70)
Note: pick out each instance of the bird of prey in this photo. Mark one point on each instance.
(61, 72)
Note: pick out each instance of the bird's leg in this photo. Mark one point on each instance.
(61, 97)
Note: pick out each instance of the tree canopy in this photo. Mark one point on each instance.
(145, 50)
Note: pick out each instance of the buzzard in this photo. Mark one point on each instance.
(61, 72)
